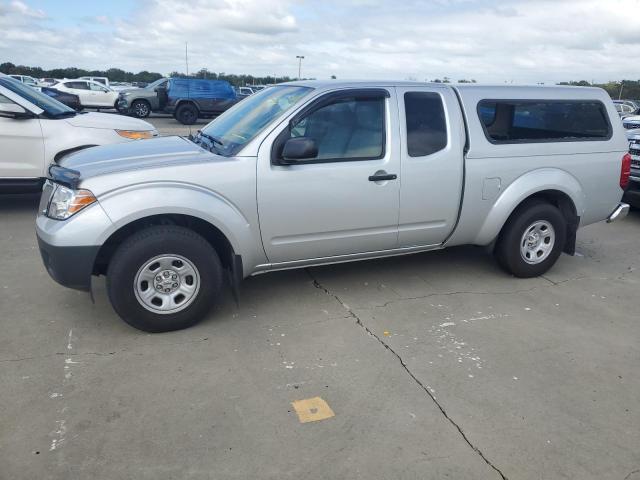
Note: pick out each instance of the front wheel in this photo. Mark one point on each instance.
(532, 239)
(164, 278)
(140, 109)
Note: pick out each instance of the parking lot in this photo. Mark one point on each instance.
(436, 365)
(167, 125)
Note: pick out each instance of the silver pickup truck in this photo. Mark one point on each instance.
(311, 173)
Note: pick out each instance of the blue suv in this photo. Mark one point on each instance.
(190, 98)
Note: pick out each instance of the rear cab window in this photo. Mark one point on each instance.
(536, 121)
(426, 123)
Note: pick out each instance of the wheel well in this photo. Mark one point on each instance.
(63, 153)
(212, 234)
(187, 102)
(141, 100)
(562, 202)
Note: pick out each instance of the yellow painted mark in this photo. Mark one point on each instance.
(312, 410)
(386, 333)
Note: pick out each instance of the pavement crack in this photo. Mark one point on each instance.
(551, 284)
(22, 359)
(440, 407)
(633, 472)
(446, 294)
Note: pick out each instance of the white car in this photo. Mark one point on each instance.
(92, 94)
(631, 122)
(37, 130)
(26, 79)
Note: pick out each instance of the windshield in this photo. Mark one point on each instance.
(238, 125)
(52, 107)
(155, 84)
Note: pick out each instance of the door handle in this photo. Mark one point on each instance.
(382, 176)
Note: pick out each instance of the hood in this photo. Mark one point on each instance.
(633, 134)
(109, 121)
(138, 91)
(121, 157)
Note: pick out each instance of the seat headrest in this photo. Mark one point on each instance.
(369, 114)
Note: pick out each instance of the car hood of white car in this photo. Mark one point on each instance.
(108, 121)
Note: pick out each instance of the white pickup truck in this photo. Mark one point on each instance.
(310, 173)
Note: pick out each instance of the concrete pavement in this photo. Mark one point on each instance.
(436, 365)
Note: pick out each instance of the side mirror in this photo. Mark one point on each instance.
(13, 110)
(299, 148)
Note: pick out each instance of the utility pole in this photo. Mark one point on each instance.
(300, 58)
(621, 87)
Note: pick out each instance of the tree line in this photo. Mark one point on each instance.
(119, 75)
(237, 80)
(113, 74)
(627, 89)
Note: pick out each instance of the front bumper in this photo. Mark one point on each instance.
(69, 247)
(122, 104)
(619, 213)
(69, 266)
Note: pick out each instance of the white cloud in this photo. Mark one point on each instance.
(491, 41)
(22, 8)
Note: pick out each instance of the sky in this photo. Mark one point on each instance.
(491, 41)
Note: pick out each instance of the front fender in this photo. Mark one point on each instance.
(134, 202)
(523, 187)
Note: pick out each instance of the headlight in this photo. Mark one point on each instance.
(135, 134)
(65, 202)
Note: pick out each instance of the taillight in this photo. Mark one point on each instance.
(625, 171)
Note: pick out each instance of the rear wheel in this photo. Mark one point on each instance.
(164, 278)
(532, 239)
(187, 114)
(140, 109)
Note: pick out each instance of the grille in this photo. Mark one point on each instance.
(630, 125)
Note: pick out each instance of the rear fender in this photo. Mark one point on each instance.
(533, 182)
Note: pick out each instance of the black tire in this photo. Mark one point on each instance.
(144, 246)
(508, 247)
(187, 114)
(140, 109)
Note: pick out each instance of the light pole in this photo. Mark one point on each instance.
(300, 58)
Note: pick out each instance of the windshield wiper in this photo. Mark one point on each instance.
(64, 114)
(211, 138)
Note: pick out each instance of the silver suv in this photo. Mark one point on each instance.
(310, 173)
